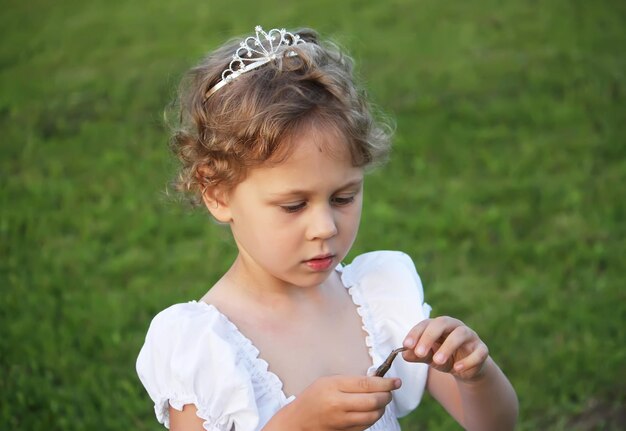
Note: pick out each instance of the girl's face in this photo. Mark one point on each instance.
(293, 222)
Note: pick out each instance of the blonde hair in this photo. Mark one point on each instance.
(250, 121)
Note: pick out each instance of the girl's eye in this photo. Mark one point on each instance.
(293, 208)
(345, 200)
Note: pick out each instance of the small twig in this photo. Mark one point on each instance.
(384, 367)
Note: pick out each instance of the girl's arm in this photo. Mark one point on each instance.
(185, 420)
(489, 403)
(462, 375)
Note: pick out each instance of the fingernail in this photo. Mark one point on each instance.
(397, 383)
(409, 342)
(421, 351)
(458, 366)
(439, 358)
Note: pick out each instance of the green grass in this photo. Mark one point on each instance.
(506, 186)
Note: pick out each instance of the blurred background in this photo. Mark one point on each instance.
(506, 186)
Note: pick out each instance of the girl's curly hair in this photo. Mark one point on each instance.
(249, 121)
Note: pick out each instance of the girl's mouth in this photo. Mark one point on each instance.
(320, 263)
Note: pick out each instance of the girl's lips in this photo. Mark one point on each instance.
(320, 263)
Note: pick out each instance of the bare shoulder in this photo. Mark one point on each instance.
(185, 420)
(213, 293)
(229, 299)
(222, 292)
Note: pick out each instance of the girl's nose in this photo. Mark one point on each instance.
(322, 224)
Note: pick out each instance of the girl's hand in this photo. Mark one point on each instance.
(447, 345)
(337, 403)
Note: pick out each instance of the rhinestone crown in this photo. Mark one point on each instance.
(255, 51)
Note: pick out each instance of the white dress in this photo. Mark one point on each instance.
(194, 355)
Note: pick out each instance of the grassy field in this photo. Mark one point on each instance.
(506, 186)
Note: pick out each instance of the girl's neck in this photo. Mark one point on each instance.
(244, 284)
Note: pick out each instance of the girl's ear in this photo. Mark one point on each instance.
(216, 201)
(215, 197)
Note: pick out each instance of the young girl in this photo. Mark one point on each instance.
(275, 139)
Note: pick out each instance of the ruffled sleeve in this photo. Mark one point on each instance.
(187, 359)
(388, 293)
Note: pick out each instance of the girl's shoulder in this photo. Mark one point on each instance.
(386, 282)
(180, 317)
(191, 355)
(384, 272)
(186, 324)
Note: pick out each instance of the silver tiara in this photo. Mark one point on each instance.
(254, 52)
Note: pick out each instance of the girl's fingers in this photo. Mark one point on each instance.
(368, 402)
(460, 336)
(475, 359)
(423, 337)
(411, 356)
(363, 419)
(364, 384)
(447, 345)
(414, 334)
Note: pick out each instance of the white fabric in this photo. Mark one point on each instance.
(194, 355)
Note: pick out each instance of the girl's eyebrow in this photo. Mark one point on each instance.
(298, 192)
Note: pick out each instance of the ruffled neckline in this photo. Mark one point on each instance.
(367, 320)
(260, 366)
